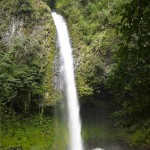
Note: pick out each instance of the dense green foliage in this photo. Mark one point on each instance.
(24, 133)
(111, 43)
(17, 7)
(27, 52)
(130, 78)
(131, 75)
(94, 40)
(21, 78)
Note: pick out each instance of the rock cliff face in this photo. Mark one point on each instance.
(27, 29)
(91, 25)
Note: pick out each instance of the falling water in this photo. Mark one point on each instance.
(72, 99)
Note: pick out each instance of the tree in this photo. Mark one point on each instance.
(130, 78)
(21, 78)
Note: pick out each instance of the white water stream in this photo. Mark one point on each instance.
(74, 122)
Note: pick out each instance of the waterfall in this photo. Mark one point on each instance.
(74, 123)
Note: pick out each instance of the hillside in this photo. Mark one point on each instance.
(110, 41)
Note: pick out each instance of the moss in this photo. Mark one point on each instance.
(28, 133)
